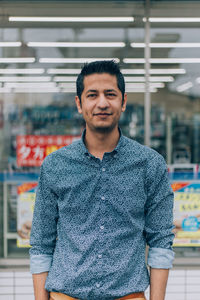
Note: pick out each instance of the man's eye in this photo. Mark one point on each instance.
(111, 95)
(91, 95)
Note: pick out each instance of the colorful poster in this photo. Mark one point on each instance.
(25, 206)
(187, 213)
(32, 149)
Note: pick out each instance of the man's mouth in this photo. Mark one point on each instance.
(102, 114)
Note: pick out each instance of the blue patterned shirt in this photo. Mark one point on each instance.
(93, 219)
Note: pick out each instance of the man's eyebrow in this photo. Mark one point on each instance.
(111, 90)
(91, 91)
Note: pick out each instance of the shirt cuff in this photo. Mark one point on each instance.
(160, 258)
(40, 263)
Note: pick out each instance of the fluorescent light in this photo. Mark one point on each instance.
(76, 44)
(21, 71)
(184, 87)
(73, 60)
(4, 90)
(67, 85)
(124, 71)
(63, 71)
(153, 71)
(140, 90)
(65, 78)
(10, 44)
(25, 78)
(17, 60)
(166, 45)
(29, 84)
(177, 20)
(38, 90)
(70, 19)
(151, 79)
(68, 90)
(142, 85)
(162, 60)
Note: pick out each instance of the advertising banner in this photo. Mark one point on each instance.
(25, 206)
(187, 213)
(32, 149)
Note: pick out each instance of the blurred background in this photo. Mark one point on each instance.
(43, 45)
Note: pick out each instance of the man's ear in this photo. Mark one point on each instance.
(124, 103)
(78, 104)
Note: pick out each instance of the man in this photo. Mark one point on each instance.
(99, 202)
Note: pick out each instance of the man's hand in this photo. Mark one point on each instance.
(39, 283)
(158, 283)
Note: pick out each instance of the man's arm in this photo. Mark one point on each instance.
(38, 284)
(159, 226)
(43, 233)
(158, 283)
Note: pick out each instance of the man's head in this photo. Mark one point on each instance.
(100, 95)
(99, 67)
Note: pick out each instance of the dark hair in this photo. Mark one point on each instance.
(103, 66)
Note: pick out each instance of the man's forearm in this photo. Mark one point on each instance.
(158, 283)
(39, 283)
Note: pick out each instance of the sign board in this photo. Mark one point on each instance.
(32, 149)
(25, 206)
(187, 213)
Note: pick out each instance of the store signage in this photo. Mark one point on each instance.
(187, 213)
(32, 149)
(25, 206)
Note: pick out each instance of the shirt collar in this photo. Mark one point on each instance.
(120, 143)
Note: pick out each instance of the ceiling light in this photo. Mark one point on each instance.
(70, 19)
(10, 44)
(151, 79)
(73, 60)
(29, 84)
(5, 90)
(25, 78)
(67, 85)
(76, 44)
(161, 60)
(166, 45)
(177, 20)
(63, 71)
(17, 60)
(184, 87)
(39, 90)
(142, 85)
(140, 90)
(21, 71)
(153, 71)
(65, 78)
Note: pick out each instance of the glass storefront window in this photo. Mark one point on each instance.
(37, 95)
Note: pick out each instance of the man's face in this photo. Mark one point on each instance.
(101, 102)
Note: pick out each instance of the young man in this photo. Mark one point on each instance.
(99, 202)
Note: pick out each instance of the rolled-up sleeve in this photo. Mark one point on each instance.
(159, 215)
(44, 225)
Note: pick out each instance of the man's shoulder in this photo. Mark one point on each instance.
(134, 147)
(64, 153)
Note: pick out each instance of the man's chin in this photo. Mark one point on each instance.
(104, 129)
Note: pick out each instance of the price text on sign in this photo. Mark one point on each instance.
(187, 196)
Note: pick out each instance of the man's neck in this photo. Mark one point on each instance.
(98, 143)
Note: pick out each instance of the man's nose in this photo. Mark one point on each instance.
(102, 102)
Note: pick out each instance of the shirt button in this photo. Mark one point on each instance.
(97, 285)
(102, 198)
(115, 156)
(103, 169)
(99, 255)
(101, 227)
